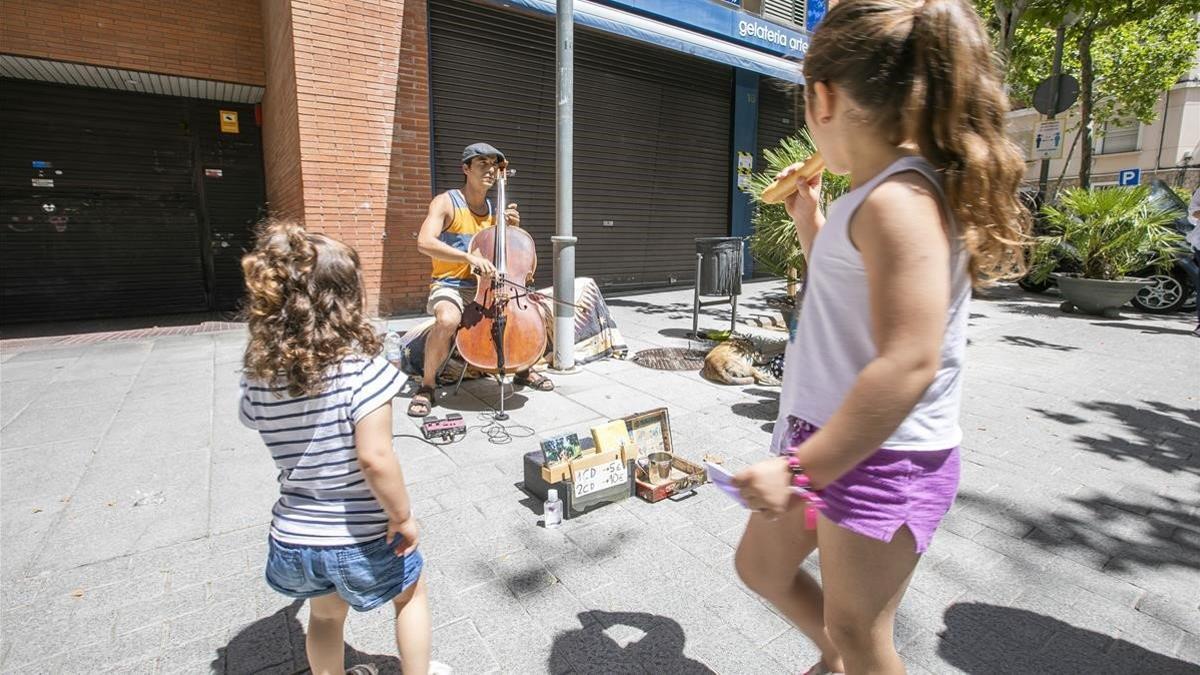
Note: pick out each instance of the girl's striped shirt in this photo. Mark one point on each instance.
(324, 499)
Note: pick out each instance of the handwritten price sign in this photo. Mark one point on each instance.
(597, 478)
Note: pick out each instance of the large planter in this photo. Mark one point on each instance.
(1097, 296)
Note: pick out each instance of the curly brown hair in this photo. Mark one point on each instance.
(304, 307)
(925, 71)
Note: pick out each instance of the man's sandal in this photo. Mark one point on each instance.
(422, 402)
(534, 380)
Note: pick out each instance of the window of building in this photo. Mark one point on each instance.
(787, 11)
(1119, 137)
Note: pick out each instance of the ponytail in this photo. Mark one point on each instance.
(930, 65)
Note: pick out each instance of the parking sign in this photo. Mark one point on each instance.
(1129, 177)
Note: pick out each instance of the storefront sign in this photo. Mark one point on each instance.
(724, 22)
(42, 182)
(213, 173)
(229, 122)
(38, 164)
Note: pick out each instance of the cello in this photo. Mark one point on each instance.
(502, 331)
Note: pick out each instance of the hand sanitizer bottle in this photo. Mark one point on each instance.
(553, 509)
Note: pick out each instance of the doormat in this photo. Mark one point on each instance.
(670, 358)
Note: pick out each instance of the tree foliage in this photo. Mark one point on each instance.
(1125, 54)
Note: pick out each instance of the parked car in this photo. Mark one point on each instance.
(1170, 291)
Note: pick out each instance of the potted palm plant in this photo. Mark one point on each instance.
(774, 244)
(1106, 234)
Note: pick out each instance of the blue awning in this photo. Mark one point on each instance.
(643, 29)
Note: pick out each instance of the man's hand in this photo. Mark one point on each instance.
(407, 529)
(512, 216)
(482, 265)
(766, 486)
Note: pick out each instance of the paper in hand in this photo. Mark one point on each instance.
(724, 480)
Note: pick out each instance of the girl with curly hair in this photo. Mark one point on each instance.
(320, 396)
(903, 95)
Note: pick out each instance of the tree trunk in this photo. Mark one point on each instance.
(1086, 76)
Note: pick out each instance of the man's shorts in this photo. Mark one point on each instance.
(460, 296)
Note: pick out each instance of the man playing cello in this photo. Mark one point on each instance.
(453, 218)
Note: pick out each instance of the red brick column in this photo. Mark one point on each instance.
(406, 272)
(356, 117)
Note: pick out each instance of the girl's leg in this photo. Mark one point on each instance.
(325, 645)
(768, 562)
(864, 581)
(413, 628)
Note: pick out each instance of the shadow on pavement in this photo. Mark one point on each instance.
(1149, 330)
(276, 644)
(1165, 436)
(591, 650)
(765, 409)
(982, 638)
(1022, 341)
(1125, 535)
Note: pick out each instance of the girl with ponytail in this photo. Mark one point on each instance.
(319, 394)
(904, 96)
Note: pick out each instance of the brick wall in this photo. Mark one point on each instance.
(405, 282)
(281, 130)
(212, 40)
(360, 132)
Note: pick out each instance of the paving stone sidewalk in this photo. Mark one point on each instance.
(134, 511)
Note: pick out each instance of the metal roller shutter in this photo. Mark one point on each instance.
(101, 211)
(652, 134)
(780, 114)
(232, 187)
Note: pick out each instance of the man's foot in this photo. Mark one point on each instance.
(533, 379)
(422, 402)
(362, 669)
(1196, 332)
(439, 668)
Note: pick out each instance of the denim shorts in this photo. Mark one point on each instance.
(364, 575)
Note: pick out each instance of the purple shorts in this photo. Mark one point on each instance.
(888, 490)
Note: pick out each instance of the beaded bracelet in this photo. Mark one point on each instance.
(802, 486)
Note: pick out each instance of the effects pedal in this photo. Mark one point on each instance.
(446, 429)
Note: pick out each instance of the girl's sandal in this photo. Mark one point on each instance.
(422, 402)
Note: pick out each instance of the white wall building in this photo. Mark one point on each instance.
(1167, 148)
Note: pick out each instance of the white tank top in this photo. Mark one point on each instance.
(831, 339)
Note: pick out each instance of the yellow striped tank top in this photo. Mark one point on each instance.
(458, 234)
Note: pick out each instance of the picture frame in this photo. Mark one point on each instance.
(650, 431)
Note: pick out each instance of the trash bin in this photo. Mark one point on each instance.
(719, 273)
(720, 266)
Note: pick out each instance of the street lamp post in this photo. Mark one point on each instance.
(563, 239)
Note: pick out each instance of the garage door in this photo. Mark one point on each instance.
(652, 138)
